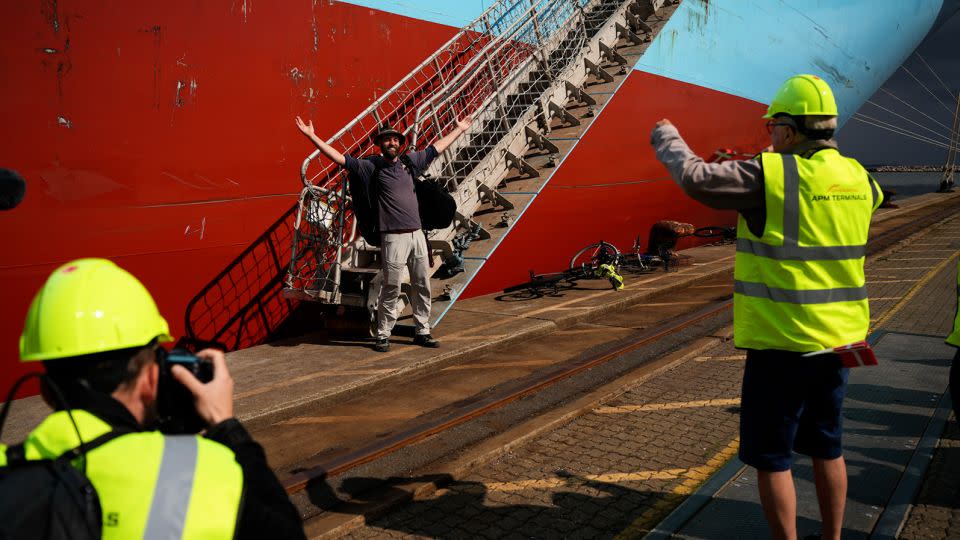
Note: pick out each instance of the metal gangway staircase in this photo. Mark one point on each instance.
(526, 71)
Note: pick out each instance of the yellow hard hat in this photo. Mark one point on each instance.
(89, 306)
(803, 95)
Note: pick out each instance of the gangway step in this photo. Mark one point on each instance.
(526, 178)
(547, 96)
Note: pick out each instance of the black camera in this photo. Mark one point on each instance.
(175, 404)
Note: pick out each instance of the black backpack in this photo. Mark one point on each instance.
(48, 498)
(437, 207)
(363, 198)
(435, 204)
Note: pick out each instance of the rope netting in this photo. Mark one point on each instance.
(493, 70)
(500, 62)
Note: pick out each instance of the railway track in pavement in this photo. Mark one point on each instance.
(486, 396)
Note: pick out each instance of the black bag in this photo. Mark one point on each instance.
(437, 207)
(363, 199)
(435, 204)
(48, 498)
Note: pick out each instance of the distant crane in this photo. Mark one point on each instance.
(946, 184)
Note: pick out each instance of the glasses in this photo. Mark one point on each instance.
(773, 123)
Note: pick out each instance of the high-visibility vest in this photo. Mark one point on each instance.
(954, 337)
(800, 286)
(150, 485)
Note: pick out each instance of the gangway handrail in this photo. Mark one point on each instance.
(481, 64)
(389, 93)
(482, 56)
(443, 96)
(479, 57)
(394, 106)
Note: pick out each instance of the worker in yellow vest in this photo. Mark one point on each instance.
(954, 339)
(98, 332)
(804, 213)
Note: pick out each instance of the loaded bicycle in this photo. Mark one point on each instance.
(604, 260)
(552, 283)
(660, 251)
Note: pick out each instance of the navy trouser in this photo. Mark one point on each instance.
(790, 403)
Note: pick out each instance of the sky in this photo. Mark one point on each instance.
(876, 146)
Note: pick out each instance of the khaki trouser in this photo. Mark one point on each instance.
(398, 250)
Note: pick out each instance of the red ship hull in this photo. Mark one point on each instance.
(161, 136)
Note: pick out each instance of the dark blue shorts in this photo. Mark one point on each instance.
(790, 403)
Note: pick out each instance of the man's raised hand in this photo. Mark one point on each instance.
(306, 128)
(464, 124)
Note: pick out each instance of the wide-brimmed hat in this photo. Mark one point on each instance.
(387, 130)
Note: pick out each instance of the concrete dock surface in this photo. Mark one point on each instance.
(896, 412)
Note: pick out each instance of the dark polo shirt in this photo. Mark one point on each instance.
(397, 201)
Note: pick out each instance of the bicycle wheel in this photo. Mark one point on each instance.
(596, 254)
(647, 263)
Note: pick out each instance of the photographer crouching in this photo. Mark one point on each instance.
(126, 414)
